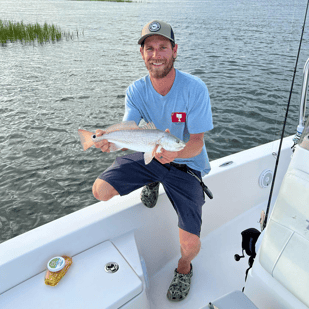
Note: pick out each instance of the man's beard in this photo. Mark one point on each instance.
(161, 73)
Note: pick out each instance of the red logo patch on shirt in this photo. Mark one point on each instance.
(179, 117)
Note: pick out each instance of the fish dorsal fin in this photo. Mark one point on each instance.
(125, 125)
(129, 125)
(149, 126)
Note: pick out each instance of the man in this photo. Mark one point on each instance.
(179, 103)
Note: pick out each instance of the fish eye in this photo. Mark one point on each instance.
(177, 141)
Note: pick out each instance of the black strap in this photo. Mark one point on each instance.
(186, 169)
(205, 188)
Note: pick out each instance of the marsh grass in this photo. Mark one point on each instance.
(26, 33)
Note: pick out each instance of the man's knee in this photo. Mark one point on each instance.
(103, 191)
(189, 242)
(190, 246)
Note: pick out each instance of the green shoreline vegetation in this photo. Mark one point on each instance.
(18, 31)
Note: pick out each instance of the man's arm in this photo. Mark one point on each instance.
(193, 147)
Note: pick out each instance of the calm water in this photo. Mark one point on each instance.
(243, 50)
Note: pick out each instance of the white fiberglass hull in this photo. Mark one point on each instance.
(152, 234)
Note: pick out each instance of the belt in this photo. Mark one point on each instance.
(181, 167)
(178, 165)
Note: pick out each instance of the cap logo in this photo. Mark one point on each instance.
(154, 27)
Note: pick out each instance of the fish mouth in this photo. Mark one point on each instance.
(180, 146)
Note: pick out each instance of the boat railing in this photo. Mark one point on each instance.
(303, 100)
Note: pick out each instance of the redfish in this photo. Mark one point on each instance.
(128, 135)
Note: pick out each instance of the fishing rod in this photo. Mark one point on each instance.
(285, 120)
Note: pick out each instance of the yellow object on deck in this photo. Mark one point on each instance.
(53, 278)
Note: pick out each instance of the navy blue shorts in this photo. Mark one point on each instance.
(129, 173)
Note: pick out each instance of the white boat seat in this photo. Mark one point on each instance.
(285, 247)
(233, 300)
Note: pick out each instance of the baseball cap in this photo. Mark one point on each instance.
(159, 28)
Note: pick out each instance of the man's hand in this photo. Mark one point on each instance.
(165, 156)
(104, 144)
(193, 147)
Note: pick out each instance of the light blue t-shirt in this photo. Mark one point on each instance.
(188, 97)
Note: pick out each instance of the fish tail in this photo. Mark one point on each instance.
(85, 139)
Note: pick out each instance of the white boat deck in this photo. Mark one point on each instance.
(215, 271)
(138, 232)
